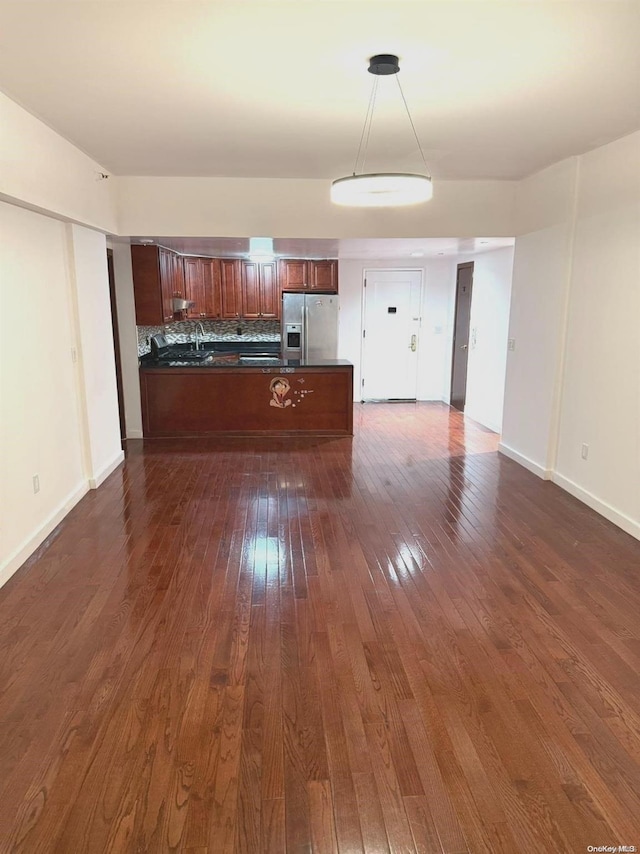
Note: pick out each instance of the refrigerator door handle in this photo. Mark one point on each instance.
(305, 328)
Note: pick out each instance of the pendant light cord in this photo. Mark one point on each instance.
(366, 129)
(413, 127)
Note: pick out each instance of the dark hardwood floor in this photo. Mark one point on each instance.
(397, 643)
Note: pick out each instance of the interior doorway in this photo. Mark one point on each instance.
(391, 334)
(460, 357)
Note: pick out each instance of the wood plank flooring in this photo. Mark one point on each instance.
(397, 643)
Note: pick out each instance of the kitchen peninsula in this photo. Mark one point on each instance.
(245, 395)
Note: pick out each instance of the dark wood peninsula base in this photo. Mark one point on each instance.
(208, 401)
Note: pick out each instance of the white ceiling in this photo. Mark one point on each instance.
(497, 90)
(419, 249)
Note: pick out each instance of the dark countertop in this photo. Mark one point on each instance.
(217, 361)
(236, 354)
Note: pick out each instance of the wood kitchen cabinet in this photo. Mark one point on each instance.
(293, 275)
(203, 288)
(177, 275)
(323, 275)
(231, 288)
(226, 288)
(297, 274)
(157, 277)
(260, 293)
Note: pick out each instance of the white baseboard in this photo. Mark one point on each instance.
(631, 526)
(103, 474)
(530, 465)
(28, 547)
(479, 419)
(135, 434)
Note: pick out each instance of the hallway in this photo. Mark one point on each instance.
(400, 642)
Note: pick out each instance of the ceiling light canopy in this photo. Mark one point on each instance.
(382, 189)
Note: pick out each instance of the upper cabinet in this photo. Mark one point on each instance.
(231, 287)
(203, 288)
(295, 274)
(220, 288)
(158, 276)
(260, 294)
(323, 275)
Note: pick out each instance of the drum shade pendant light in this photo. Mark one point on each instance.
(381, 189)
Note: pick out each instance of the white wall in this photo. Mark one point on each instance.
(58, 417)
(40, 414)
(601, 383)
(241, 207)
(40, 169)
(95, 352)
(541, 272)
(488, 335)
(574, 377)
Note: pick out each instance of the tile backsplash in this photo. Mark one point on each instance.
(183, 331)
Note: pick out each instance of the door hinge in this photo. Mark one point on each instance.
(364, 333)
(365, 283)
(363, 382)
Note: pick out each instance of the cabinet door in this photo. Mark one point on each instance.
(146, 285)
(293, 275)
(323, 275)
(212, 286)
(231, 287)
(177, 265)
(269, 291)
(250, 289)
(194, 286)
(166, 284)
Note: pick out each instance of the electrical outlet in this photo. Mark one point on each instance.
(36, 484)
(512, 343)
(584, 452)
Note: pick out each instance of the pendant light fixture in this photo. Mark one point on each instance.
(381, 189)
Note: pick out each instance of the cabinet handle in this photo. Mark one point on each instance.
(203, 314)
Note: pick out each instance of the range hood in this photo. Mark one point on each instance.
(181, 304)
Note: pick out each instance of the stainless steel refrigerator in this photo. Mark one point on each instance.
(309, 326)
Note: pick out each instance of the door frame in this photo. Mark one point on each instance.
(363, 303)
(462, 265)
(116, 346)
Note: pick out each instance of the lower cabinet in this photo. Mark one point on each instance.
(208, 401)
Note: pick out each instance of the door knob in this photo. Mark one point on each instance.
(463, 346)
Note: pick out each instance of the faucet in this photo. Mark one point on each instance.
(197, 333)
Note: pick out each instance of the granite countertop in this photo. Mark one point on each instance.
(238, 354)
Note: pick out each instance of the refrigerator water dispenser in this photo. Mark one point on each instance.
(293, 332)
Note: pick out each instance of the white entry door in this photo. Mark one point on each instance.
(391, 334)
